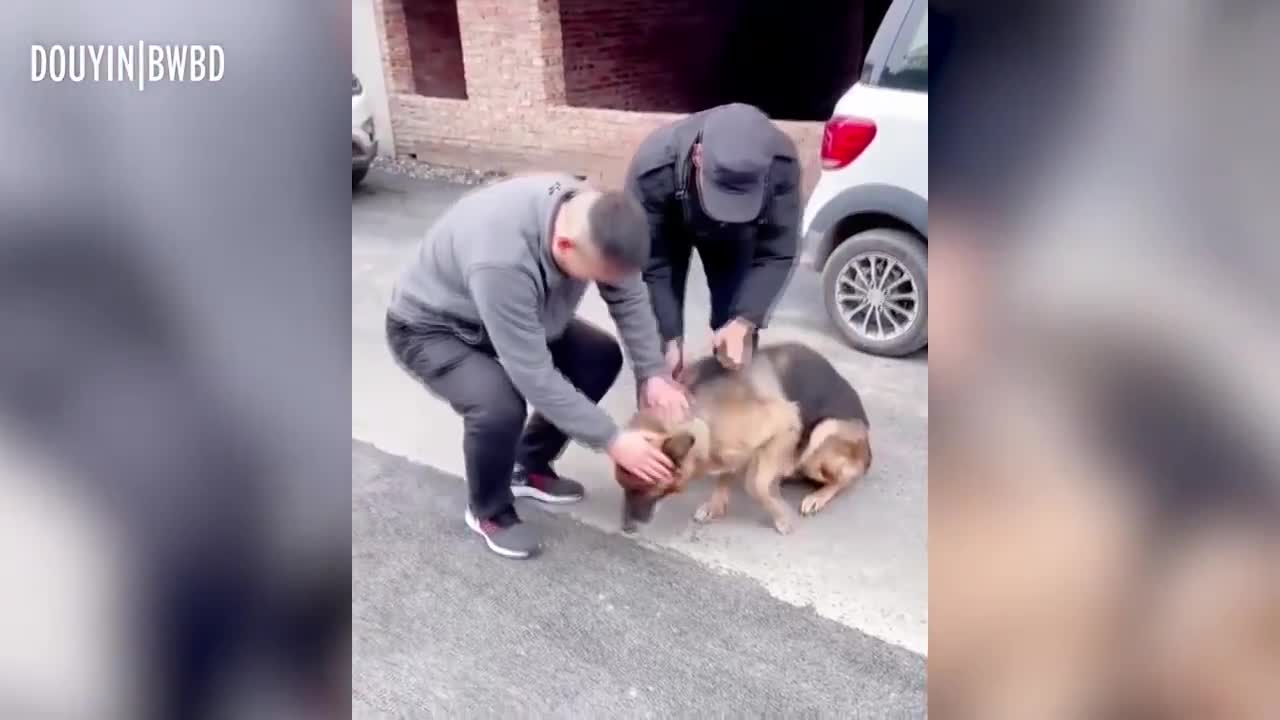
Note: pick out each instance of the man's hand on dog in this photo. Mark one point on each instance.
(675, 357)
(666, 398)
(730, 343)
(637, 452)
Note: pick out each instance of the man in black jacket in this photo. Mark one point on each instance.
(726, 182)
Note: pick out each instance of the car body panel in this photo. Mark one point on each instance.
(867, 199)
(892, 170)
(364, 141)
(881, 197)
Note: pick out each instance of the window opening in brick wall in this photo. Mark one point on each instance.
(792, 59)
(435, 48)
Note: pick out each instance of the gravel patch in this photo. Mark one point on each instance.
(427, 171)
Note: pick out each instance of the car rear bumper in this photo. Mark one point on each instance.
(363, 149)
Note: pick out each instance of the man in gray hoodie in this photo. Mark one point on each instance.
(484, 316)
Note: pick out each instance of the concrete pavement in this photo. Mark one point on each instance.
(860, 564)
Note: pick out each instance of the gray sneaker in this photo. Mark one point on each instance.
(505, 534)
(545, 485)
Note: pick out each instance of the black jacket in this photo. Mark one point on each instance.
(659, 176)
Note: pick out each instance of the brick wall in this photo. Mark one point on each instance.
(594, 143)
(657, 56)
(435, 48)
(515, 117)
(397, 64)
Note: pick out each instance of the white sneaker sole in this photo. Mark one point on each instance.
(504, 552)
(526, 491)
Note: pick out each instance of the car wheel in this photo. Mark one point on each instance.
(357, 176)
(877, 293)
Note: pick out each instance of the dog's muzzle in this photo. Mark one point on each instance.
(637, 509)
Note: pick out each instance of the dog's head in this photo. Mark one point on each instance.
(686, 446)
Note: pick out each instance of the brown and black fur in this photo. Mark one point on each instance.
(786, 414)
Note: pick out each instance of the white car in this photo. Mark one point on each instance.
(866, 224)
(364, 145)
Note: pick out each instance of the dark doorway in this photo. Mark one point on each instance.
(795, 59)
(435, 48)
(792, 59)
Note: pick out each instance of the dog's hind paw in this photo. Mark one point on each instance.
(783, 525)
(813, 502)
(707, 512)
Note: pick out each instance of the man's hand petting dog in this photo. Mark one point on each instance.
(730, 343)
(638, 452)
(674, 355)
(667, 399)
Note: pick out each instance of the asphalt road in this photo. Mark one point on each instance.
(602, 627)
(829, 621)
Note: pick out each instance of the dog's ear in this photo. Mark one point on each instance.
(678, 446)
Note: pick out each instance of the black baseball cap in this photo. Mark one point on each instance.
(738, 143)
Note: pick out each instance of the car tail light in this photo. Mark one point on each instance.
(843, 140)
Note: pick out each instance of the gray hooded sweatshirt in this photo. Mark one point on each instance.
(487, 261)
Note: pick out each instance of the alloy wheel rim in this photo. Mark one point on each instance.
(877, 297)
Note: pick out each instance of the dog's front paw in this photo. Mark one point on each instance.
(783, 525)
(813, 502)
(708, 511)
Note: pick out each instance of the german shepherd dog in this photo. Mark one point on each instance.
(786, 414)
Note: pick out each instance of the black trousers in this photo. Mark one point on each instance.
(464, 371)
(725, 263)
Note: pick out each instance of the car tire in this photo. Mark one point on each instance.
(357, 176)
(898, 255)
